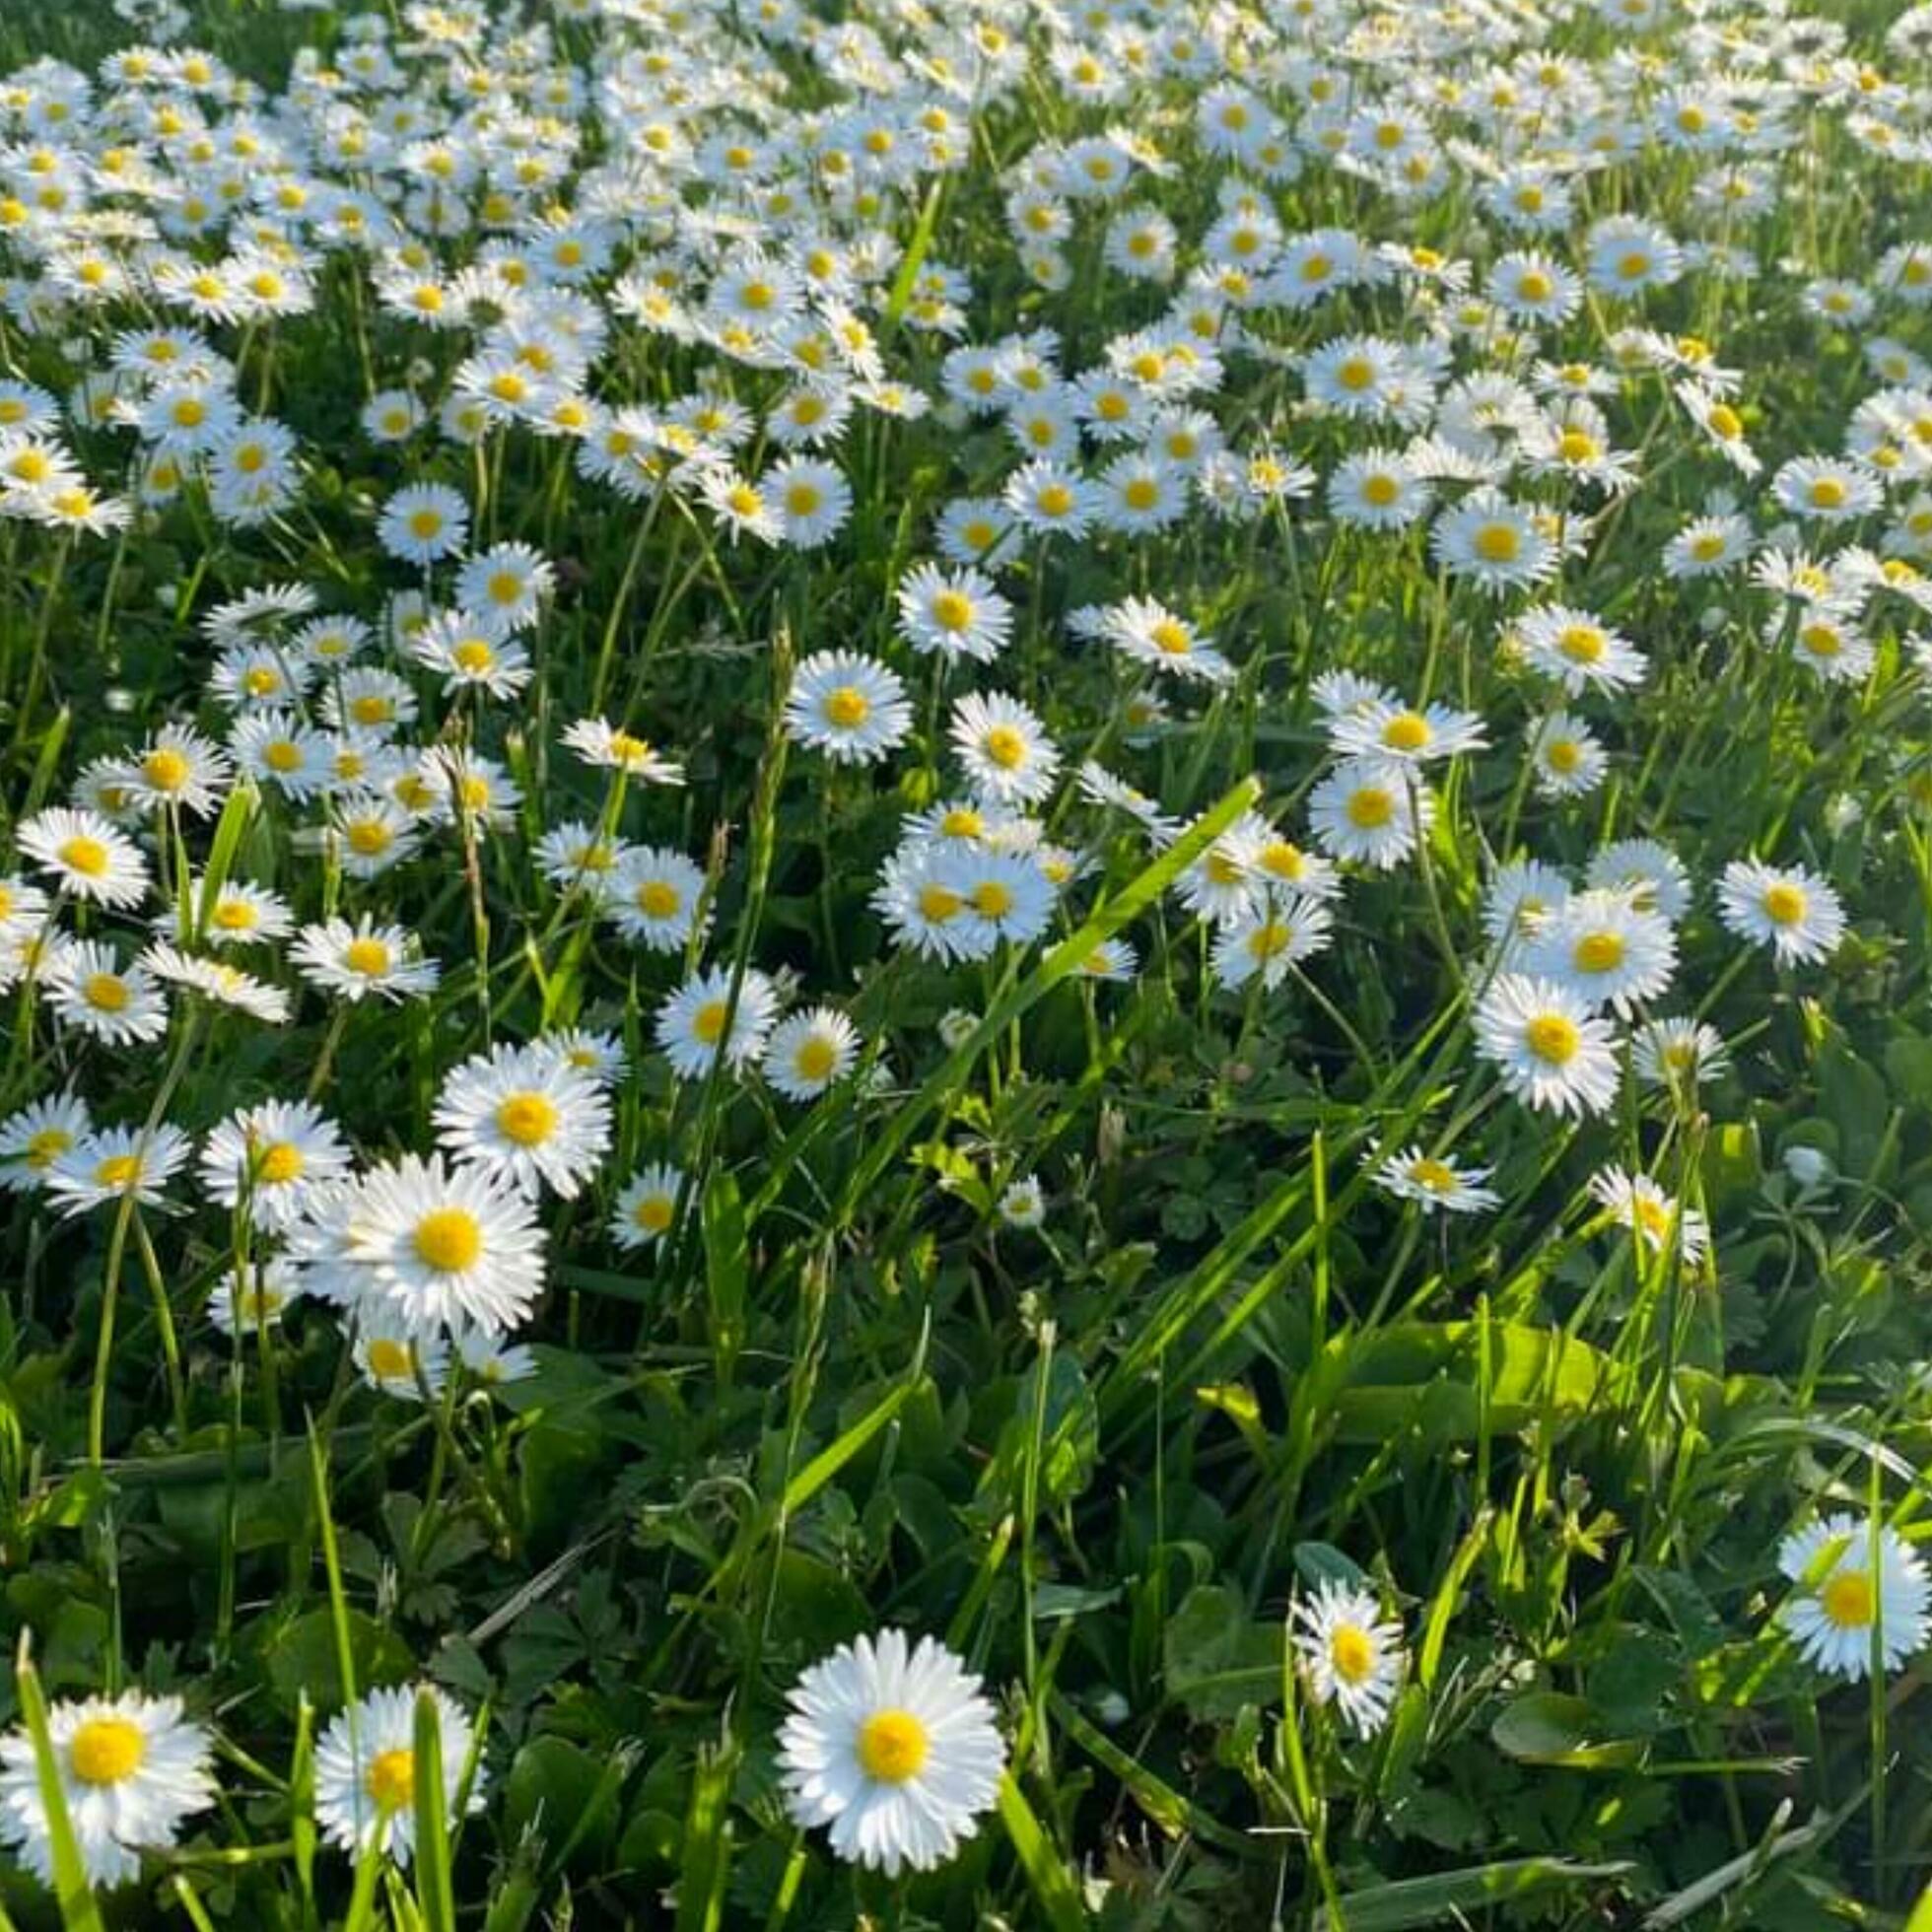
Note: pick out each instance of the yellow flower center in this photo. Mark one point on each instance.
(369, 957)
(951, 611)
(1820, 640)
(1553, 1038)
(448, 1240)
(1380, 490)
(816, 1058)
(391, 1777)
(656, 899)
(505, 586)
(106, 1749)
(165, 769)
(528, 1118)
(88, 857)
(1535, 286)
(279, 1163)
(708, 1022)
(425, 523)
(1785, 903)
(1598, 952)
(1435, 1175)
(47, 1147)
(991, 899)
(118, 1171)
(473, 655)
(1268, 938)
(1578, 447)
(1408, 730)
(1724, 422)
(369, 837)
(653, 1213)
(1004, 747)
(1357, 373)
(939, 903)
(235, 916)
(1056, 499)
(1563, 756)
(391, 1360)
(1171, 637)
(1498, 543)
(848, 706)
(1581, 644)
(106, 993)
(1351, 1653)
(1827, 493)
(1849, 1600)
(1370, 808)
(893, 1745)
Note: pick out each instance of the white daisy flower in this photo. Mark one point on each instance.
(1553, 1052)
(894, 1748)
(1637, 1201)
(92, 859)
(1861, 1588)
(699, 1021)
(1371, 810)
(809, 1052)
(1435, 1183)
(132, 1771)
(35, 1137)
(1788, 908)
(104, 1166)
(356, 961)
(366, 1769)
(272, 1155)
(244, 1306)
(954, 614)
(1600, 945)
(1005, 748)
(848, 707)
(437, 1244)
(1350, 1656)
(647, 1206)
(526, 1114)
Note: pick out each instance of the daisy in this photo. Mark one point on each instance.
(1149, 633)
(505, 584)
(366, 1769)
(239, 914)
(271, 1156)
(1577, 651)
(851, 708)
(1380, 728)
(654, 896)
(1824, 490)
(701, 1021)
(114, 1161)
(894, 1748)
(1370, 810)
(1567, 756)
(1604, 949)
(255, 1301)
(354, 961)
(89, 858)
(813, 500)
(131, 1769)
(218, 980)
(274, 747)
(953, 613)
(35, 1137)
(178, 767)
(119, 1005)
(1265, 944)
(1349, 1655)
(1493, 542)
(1005, 748)
(1435, 1183)
(526, 1115)
(1788, 908)
(1553, 1052)
(1861, 1590)
(809, 1052)
(598, 742)
(424, 522)
(1669, 1052)
(1638, 1203)
(647, 1206)
(1022, 1204)
(394, 1358)
(437, 1244)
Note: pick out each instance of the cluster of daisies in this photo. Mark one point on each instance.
(1042, 425)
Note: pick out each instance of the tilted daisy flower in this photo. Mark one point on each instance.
(271, 1156)
(1553, 1051)
(132, 1771)
(396, 1359)
(1601, 945)
(91, 990)
(366, 1769)
(1788, 908)
(526, 1114)
(1576, 650)
(598, 742)
(808, 1052)
(356, 961)
(32, 1139)
(1350, 1655)
(437, 1244)
(1861, 1588)
(851, 708)
(1671, 1052)
(894, 1748)
(1149, 633)
(1435, 1183)
(1265, 943)
(91, 858)
(700, 1020)
(1637, 1201)
(1417, 735)
(646, 1206)
(246, 1301)
(110, 1162)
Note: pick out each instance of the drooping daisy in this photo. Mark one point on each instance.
(132, 1771)
(114, 1161)
(852, 709)
(700, 1020)
(646, 1206)
(1578, 651)
(395, 1357)
(1637, 1201)
(1435, 1183)
(1668, 1052)
(1553, 1052)
(526, 1114)
(1149, 633)
(894, 1748)
(1350, 1655)
(1860, 1588)
(92, 859)
(246, 1304)
(1788, 908)
(437, 1244)
(272, 1155)
(366, 1769)
(808, 1052)
(35, 1137)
